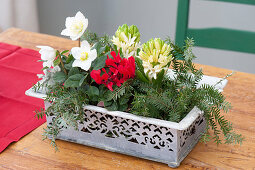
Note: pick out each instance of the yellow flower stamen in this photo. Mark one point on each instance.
(84, 56)
(77, 27)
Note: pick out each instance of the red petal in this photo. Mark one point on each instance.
(113, 54)
(116, 58)
(114, 71)
(109, 86)
(110, 62)
(105, 76)
(95, 74)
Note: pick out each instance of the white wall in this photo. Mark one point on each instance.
(19, 13)
(156, 18)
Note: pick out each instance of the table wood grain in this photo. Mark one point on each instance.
(33, 153)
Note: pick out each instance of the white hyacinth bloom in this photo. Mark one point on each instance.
(75, 26)
(48, 54)
(150, 70)
(156, 56)
(128, 45)
(83, 56)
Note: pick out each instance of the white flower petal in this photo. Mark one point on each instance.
(93, 54)
(154, 75)
(85, 44)
(85, 25)
(69, 22)
(76, 52)
(55, 69)
(65, 32)
(86, 65)
(47, 64)
(124, 36)
(45, 56)
(75, 37)
(79, 16)
(45, 47)
(47, 53)
(76, 63)
(75, 26)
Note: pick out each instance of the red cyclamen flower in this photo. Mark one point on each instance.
(119, 70)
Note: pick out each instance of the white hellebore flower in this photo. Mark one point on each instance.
(75, 26)
(48, 54)
(83, 56)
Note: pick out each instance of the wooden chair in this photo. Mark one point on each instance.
(220, 38)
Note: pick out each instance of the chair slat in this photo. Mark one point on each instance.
(182, 21)
(222, 38)
(248, 2)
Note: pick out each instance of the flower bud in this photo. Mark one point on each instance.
(156, 55)
(127, 38)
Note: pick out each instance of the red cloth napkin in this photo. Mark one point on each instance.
(18, 72)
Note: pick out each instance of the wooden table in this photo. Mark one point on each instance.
(33, 153)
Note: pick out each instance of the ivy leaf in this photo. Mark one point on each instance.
(97, 46)
(59, 77)
(45, 68)
(112, 107)
(73, 71)
(124, 100)
(75, 80)
(123, 107)
(57, 53)
(93, 91)
(82, 80)
(63, 52)
(69, 58)
(108, 95)
(107, 103)
(69, 65)
(99, 62)
(101, 50)
(56, 62)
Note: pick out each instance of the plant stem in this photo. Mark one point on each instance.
(62, 65)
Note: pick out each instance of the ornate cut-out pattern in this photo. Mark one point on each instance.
(153, 136)
(186, 134)
(157, 137)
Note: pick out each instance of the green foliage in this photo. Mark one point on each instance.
(164, 98)
(75, 80)
(56, 61)
(140, 71)
(38, 86)
(39, 114)
(90, 37)
(174, 98)
(73, 71)
(66, 107)
(99, 62)
(59, 77)
(119, 98)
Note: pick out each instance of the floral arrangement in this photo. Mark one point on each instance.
(118, 73)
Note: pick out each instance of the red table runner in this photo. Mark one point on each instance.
(18, 72)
